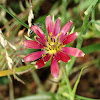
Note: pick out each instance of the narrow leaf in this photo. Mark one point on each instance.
(84, 98)
(91, 48)
(25, 25)
(76, 84)
(91, 7)
(21, 6)
(35, 97)
(19, 70)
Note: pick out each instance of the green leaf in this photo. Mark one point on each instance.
(19, 70)
(91, 7)
(36, 97)
(25, 25)
(84, 98)
(76, 84)
(91, 48)
(97, 26)
(21, 6)
(18, 79)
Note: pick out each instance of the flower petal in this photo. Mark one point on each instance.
(54, 68)
(63, 37)
(57, 56)
(73, 51)
(32, 44)
(33, 56)
(40, 63)
(49, 24)
(38, 31)
(70, 38)
(64, 57)
(64, 30)
(57, 27)
(42, 41)
(46, 58)
(66, 27)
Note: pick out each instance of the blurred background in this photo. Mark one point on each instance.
(39, 83)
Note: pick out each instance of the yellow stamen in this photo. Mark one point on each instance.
(53, 44)
(59, 34)
(52, 52)
(51, 34)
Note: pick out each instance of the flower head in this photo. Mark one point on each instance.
(52, 47)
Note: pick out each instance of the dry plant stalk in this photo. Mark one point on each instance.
(30, 17)
(4, 43)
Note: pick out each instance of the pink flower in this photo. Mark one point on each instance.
(52, 47)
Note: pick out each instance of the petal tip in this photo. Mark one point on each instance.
(55, 76)
(22, 60)
(76, 34)
(83, 55)
(59, 18)
(80, 54)
(70, 21)
(48, 16)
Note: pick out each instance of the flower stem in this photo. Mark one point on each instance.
(64, 6)
(66, 78)
(37, 80)
(11, 92)
(83, 32)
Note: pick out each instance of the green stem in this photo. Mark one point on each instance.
(83, 32)
(64, 2)
(84, 98)
(67, 79)
(37, 97)
(76, 84)
(63, 7)
(93, 14)
(77, 97)
(11, 92)
(25, 25)
(37, 80)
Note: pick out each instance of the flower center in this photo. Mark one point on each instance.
(53, 46)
